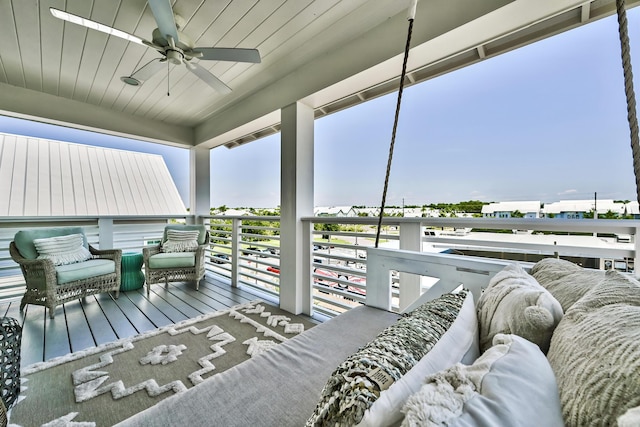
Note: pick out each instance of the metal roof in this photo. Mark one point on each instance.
(603, 205)
(523, 206)
(40, 177)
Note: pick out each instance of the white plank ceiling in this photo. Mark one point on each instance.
(58, 72)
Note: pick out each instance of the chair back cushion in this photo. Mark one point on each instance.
(24, 238)
(202, 232)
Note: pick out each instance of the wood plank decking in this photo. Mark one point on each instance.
(100, 319)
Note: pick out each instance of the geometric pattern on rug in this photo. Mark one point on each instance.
(92, 381)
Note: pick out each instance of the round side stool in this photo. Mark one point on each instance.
(131, 277)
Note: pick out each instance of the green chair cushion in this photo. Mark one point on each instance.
(24, 238)
(83, 270)
(172, 260)
(201, 229)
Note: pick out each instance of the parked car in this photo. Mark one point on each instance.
(272, 251)
(246, 252)
(273, 269)
(220, 258)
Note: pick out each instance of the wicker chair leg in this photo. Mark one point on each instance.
(3, 415)
(52, 312)
(117, 294)
(23, 303)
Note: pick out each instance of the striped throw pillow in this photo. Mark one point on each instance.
(62, 250)
(181, 241)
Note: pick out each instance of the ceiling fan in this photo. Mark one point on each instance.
(174, 46)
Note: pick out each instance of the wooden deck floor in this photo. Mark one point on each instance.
(100, 319)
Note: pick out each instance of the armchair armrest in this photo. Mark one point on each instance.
(147, 252)
(34, 270)
(200, 256)
(113, 254)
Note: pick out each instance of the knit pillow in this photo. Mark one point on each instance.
(595, 353)
(458, 343)
(358, 381)
(566, 281)
(62, 250)
(181, 241)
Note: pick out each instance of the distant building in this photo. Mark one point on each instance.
(342, 211)
(529, 209)
(576, 209)
(235, 212)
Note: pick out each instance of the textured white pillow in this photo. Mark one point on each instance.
(181, 241)
(566, 281)
(515, 303)
(595, 353)
(458, 343)
(511, 384)
(62, 250)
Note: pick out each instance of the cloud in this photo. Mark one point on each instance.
(567, 192)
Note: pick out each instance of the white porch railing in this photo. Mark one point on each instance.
(245, 250)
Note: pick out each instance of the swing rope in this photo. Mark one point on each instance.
(629, 92)
(412, 11)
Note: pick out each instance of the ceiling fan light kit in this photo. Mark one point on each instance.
(175, 47)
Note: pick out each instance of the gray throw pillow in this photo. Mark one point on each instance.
(595, 353)
(566, 281)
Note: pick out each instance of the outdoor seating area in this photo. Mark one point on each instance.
(500, 359)
(59, 265)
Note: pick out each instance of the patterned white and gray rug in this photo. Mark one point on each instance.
(104, 385)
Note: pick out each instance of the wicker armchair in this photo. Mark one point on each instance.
(44, 282)
(161, 267)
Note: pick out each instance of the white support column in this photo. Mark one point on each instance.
(199, 182)
(296, 201)
(410, 240)
(105, 233)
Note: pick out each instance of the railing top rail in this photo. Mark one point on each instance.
(627, 226)
(245, 217)
(36, 219)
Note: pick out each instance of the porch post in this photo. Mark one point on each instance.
(105, 233)
(411, 240)
(296, 201)
(199, 182)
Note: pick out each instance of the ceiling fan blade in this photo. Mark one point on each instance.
(163, 14)
(147, 71)
(208, 78)
(228, 54)
(78, 20)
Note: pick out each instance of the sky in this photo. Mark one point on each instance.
(544, 122)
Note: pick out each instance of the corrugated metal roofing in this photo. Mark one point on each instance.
(40, 177)
(604, 206)
(522, 206)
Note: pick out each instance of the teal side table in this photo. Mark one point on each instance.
(132, 277)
